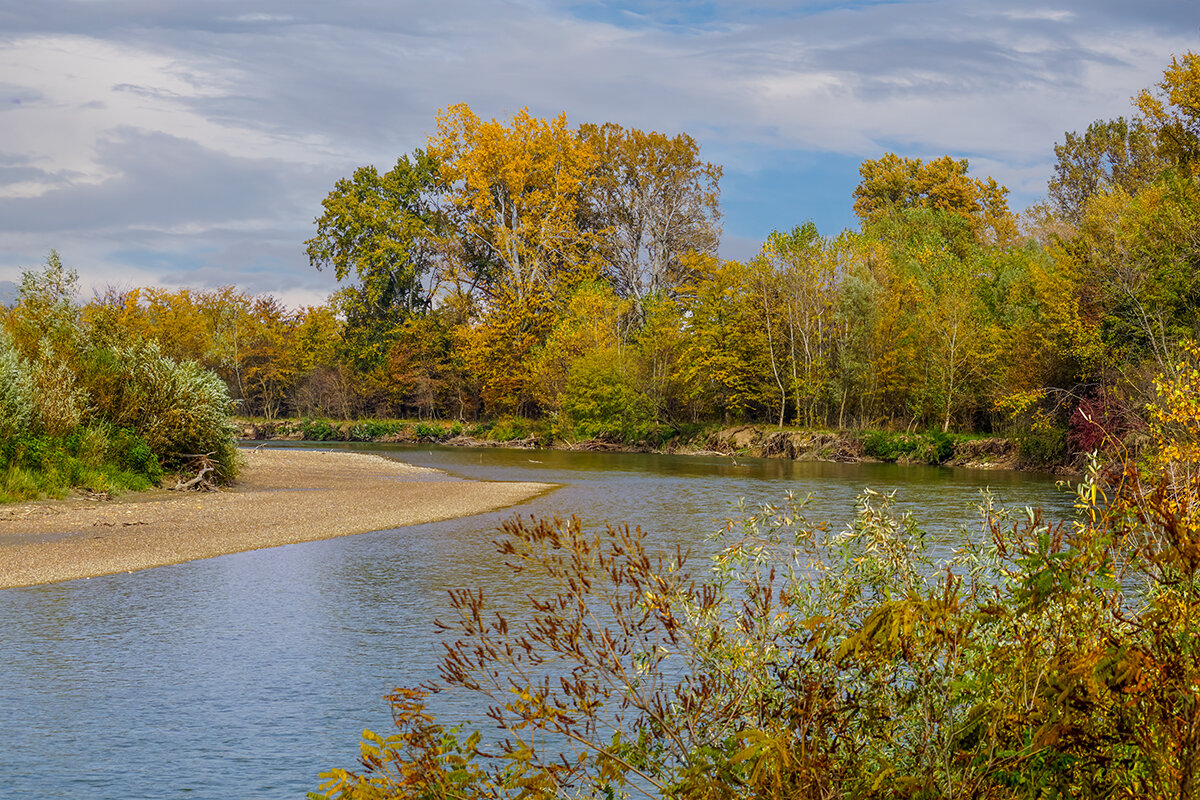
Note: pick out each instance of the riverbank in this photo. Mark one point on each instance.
(750, 441)
(280, 497)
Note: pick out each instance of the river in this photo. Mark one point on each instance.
(244, 676)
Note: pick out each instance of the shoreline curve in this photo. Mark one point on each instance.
(281, 497)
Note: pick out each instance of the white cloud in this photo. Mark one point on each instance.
(194, 129)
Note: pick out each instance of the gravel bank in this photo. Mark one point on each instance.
(281, 497)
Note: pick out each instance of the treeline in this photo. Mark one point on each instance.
(569, 275)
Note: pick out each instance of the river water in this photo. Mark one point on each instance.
(245, 676)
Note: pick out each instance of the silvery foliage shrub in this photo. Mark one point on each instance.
(179, 408)
(60, 402)
(18, 408)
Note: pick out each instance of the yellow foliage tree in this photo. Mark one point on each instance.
(1173, 113)
(515, 194)
(892, 182)
(1175, 430)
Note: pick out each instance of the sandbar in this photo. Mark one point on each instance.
(280, 497)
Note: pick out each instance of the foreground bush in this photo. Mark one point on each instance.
(1043, 659)
(1046, 659)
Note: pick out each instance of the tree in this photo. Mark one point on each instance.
(1106, 156)
(653, 200)
(1141, 256)
(515, 196)
(722, 365)
(593, 319)
(893, 183)
(808, 281)
(48, 333)
(384, 231)
(1173, 113)
(270, 372)
(936, 251)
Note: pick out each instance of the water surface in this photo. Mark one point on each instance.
(246, 675)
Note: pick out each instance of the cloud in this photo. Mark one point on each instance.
(175, 137)
(157, 182)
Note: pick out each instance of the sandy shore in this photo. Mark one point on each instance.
(281, 497)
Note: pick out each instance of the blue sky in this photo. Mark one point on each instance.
(189, 143)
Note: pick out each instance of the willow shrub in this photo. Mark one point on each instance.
(98, 458)
(18, 407)
(1044, 659)
(180, 409)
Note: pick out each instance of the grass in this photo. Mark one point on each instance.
(99, 459)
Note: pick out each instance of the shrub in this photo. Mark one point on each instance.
(509, 429)
(1045, 659)
(319, 430)
(60, 401)
(180, 409)
(18, 407)
(1100, 419)
(932, 447)
(429, 433)
(99, 458)
(371, 430)
(1044, 445)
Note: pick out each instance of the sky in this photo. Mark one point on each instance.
(189, 143)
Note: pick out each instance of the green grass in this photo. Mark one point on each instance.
(98, 458)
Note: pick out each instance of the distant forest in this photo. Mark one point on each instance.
(526, 267)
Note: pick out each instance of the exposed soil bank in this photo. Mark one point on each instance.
(281, 497)
(753, 441)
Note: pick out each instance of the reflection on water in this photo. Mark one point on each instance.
(246, 675)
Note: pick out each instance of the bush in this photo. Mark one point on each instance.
(319, 430)
(430, 433)
(1042, 660)
(509, 429)
(932, 447)
(372, 430)
(18, 406)
(99, 458)
(1042, 446)
(180, 409)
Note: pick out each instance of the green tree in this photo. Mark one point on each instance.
(381, 235)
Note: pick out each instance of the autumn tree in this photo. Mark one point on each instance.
(1108, 155)
(1139, 257)
(725, 349)
(807, 278)
(653, 201)
(1173, 112)
(269, 366)
(893, 183)
(515, 197)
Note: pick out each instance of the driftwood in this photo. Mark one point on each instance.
(203, 467)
